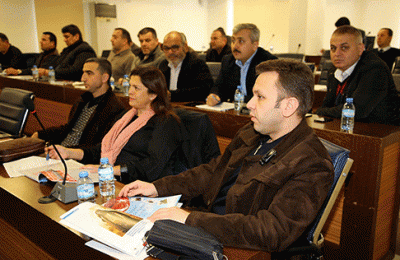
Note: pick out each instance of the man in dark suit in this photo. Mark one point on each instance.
(385, 52)
(219, 46)
(188, 77)
(361, 75)
(238, 68)
(10, 56)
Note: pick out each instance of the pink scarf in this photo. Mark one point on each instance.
(118, 136)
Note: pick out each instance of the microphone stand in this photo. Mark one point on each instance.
(65, 193)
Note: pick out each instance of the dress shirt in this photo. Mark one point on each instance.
(243, 72)
(343, 75)
(173, 82)
(384, 49)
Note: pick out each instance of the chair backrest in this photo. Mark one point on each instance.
(215, 68)
(396, 79)
(105, 53)
(297, 56)
(13, 111)
(201, 144)
(29, 60)
(341, 165)
(325, 67)
(396, 66)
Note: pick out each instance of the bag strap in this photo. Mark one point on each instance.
(159, 253)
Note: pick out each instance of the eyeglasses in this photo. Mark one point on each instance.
(173, 48)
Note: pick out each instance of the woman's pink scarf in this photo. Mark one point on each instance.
(118, 136)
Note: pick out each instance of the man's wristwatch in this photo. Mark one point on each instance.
(123, 169)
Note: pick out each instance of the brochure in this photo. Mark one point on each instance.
(116, 224)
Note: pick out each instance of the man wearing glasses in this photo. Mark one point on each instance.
(188, 77)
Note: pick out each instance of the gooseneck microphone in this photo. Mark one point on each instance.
(66, 193)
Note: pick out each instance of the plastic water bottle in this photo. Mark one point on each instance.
(85, 188)
(112, 83)
(52, 75)
(125, 85)
(106, 179)
(239, 99)
(35, 73)
(348, 114)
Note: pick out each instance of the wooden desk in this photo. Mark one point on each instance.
(363, 224)
(30, 230)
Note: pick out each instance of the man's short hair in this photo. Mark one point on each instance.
(3, 37)
(52, 37)
(390, 32)
(72, 29)
(254, 31)
(125, 34)
(182, 35)
(348, 29)
(295, 80)
(147, 30)
(221, 30)
(104, 66)
(342, 21)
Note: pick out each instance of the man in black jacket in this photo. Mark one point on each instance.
(72, 57)
(188, 77)
(362, 76)
(10, 56)
(239, 68)
(93, 115)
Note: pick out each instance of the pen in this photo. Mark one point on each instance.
(47, 153)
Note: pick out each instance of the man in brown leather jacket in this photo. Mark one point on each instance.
(253, 197)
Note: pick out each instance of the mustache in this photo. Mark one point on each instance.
(236, 50)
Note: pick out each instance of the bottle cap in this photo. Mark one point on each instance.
(349, 100)
(51, 67)
(104, 160)
(83, 174)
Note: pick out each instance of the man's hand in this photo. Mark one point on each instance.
(213, 100)
(12, 71)
(43, 72)
(66, 153)
(173, 213)
(139, 188)
(92, 168)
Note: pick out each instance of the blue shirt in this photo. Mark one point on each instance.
(243, 72)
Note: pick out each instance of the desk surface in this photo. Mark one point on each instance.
(24, 223)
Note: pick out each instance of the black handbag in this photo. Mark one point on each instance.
(171, 240)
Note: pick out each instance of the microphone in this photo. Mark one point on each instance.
(267, 157)
(298, 48)
(64, 192)
(273, 35)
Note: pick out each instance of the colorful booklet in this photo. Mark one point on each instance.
(115, 224)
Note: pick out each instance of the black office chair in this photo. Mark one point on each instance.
(215, 68)
(296, 56)
(105, 53)
(29, 60)
(312, 249)
(325, 67)
(13, 111)
(396, 67)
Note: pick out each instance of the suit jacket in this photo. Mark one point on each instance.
(229, 76)
(372, 88)
(388, 56)
(72, 58)
(194, 80)
(45, 60)
(108, 111)
(213, 56)
(12, 58)
(269, 207)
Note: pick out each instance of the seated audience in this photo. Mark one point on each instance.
(145, 143)
(150, 51)
(239, 68)
(360, 75)
(219, 46)
(188, 77)
(93, 115)
(10, 56)
(48, 57)
(121, 56)
(249, 200)
(72, 57)
(385, 52)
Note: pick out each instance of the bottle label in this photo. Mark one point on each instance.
(348, 113)
(106, 174)
(85, 191)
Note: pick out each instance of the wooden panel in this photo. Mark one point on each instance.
(333, 225)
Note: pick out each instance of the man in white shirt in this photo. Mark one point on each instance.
(385, 52)
(362, 76)
(188, 77)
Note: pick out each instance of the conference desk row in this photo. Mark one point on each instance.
(363, 223)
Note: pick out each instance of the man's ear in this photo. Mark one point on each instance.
(289, 106)
(105, 77)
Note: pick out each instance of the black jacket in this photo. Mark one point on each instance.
(194, 81)
(372, 88)
(229, 76)
(72, 58)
